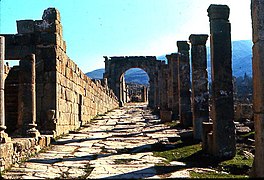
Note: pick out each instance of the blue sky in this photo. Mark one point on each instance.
(96, 28)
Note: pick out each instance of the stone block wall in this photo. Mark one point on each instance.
(20, 149)
(65, 97)
(79, 99)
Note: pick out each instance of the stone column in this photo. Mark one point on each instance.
(222, 87)
(165, 112)
(200, 91)
(3, 136)
(27, 96)
(257, 15)
(164, 87)
(170, 90)
(144, 94)
(156, 91)
(184, 84)
(175, 92)
(121, 91)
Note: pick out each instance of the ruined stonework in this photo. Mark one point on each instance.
(19, 149)
(184, 84)
(257, 13)
(46, 92)
(223, 135)
(115, 67)
(65, 97)
(200, 90)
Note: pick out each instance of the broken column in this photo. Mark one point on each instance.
(257, 14)
(184, 84)
(223, 135)
(200, 91)
(3, 136)
(27, 96)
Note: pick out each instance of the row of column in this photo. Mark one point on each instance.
(188, 100)
(26, 96)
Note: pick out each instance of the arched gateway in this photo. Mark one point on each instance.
(115, 67)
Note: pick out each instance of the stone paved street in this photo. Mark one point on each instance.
(117, 145)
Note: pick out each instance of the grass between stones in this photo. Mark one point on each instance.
(193, 156)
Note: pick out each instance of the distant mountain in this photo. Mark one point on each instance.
(96, 74)
(241, 58)
(135, 75)
(241, 64)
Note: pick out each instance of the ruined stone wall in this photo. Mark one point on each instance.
(65, 96)
(79, 99)
(69, 97)
(19, 149)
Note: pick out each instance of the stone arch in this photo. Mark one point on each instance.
(115, 67)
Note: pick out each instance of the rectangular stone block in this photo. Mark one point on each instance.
(25, 26)
(45, 26)
(18, 51)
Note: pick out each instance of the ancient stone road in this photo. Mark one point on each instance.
(116, 145)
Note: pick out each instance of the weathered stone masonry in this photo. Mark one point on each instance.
(257, 13)
(222, 138)
(65, 97)
(184, 84)
(61, 87)
(200, 90)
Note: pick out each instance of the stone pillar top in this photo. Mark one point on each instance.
(168, 56)
(198, 39)
(174, 54)
(29, 57)
(183, 46)
(218, 11)
(51, 14)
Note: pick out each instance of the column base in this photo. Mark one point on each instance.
(165, 116)
(4, 137)
(32, 132)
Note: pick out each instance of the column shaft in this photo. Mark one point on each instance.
(175, 92)
(184, 84)
(3, 136)
(222, 87)
(2, 84)
(200, 91)
(257, 15)
(27, 95)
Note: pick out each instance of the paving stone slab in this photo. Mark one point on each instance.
(117, 145)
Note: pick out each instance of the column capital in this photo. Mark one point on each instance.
(198, 39)
(183, 46)
(217, 11)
